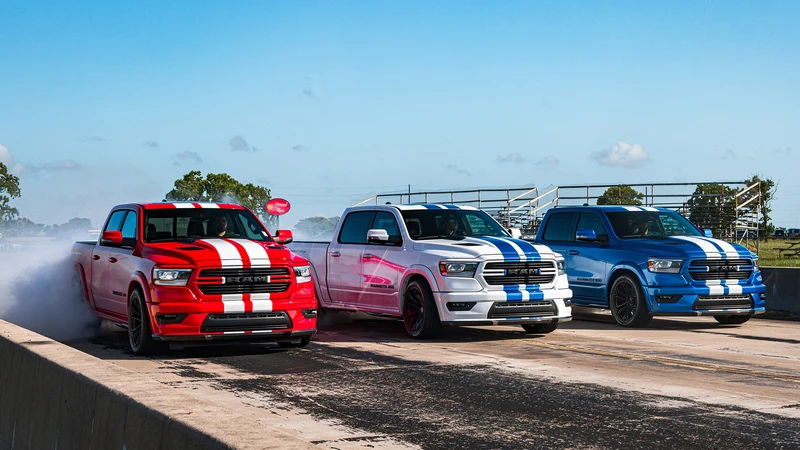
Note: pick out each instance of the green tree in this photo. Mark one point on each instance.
(620, 195)
(712, 206)
(9, 189)
(318, 226)
(221, 188)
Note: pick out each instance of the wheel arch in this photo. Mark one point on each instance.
(416, 273)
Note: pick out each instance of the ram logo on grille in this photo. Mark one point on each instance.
(513, 272)
(723, 268)
(245, 280)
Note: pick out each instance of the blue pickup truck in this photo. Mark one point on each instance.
(642, 261)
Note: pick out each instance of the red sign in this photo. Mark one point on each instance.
(278, 206)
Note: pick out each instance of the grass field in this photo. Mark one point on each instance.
(769, 255)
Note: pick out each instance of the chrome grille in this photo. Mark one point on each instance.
(720, 269)
(519, 272)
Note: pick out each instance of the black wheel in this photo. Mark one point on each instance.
(140, 335)
(420, 315)
(540, 328)
(732, 320)
(627, 303)
(304, 341)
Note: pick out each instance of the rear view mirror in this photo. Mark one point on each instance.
(586, 235)
(283, 236)
(111, 238)
(377, 236)
(707, 233)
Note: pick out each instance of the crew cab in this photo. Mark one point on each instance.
(644, 261)
(160, 270)
(432, 264)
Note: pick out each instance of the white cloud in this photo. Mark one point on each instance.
(455, 168)
(54, 166)
(513, 158)
(7, 159)
(300, 148)
(623, 154)
(151, 144)
(187, 158)
(238, 144)
(548, 160)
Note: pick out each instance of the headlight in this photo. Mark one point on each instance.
(562, 267)
(171, 277)
(755, 264)
(456, 269)
(303, 274)
(664, 265)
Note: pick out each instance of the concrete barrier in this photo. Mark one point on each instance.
(55, 397)
(783, 288)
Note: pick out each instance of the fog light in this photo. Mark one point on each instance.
(668, 298)
(170, 318)
(567, 302)
(460, 306)
(309, 313)
(762, 296)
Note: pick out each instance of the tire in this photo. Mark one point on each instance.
(140, 334)
(733, 320)
(420, 316)
(304, 341)
(540, 328)
(627, 303)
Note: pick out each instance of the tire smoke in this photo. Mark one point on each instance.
(40, 290)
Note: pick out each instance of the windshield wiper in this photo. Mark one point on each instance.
(649, 236)
(441, 236)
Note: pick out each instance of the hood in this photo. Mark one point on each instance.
(692, 246)
(218, 253)
(485, 247)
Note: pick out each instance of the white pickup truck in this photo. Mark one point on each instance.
(435, 265)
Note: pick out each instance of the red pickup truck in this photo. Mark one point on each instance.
(168, 272)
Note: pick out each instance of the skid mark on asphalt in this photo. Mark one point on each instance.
(477, 406)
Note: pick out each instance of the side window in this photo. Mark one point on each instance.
(355, 226)
(591, 221)
(561, 227)
(386, 221)
(115, 221)
(129, 226)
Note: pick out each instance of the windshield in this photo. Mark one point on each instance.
(450, 224)
(635, 224)
(180, 224)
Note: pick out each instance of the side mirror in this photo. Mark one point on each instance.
(283, 236)
(377, 236)
(707, 233)
(516, 233)
(111, 238)
(586, 235)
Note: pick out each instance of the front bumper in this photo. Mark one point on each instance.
(485, 300)
(267, 336)
(707, 300)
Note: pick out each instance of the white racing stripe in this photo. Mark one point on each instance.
(261, 302)
(707, 248)
(649, 208)
(183, 205)
(728, 249)
(258, 254)
(233, 303)
(632, 208)
(228, 254)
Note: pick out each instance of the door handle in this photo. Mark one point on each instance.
(336, 254)
(368, 255)
(573, 252)
(95, 257)
(112, 260)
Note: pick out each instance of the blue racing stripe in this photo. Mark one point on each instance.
(449, 206)
(509, 252)
(530, 251)
(431, 206)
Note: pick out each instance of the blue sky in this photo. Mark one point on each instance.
(326, 103)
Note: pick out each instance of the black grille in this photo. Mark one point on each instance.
(215, 289)
(522, 272)
(246, 322)
(254, 272)
(505, 310)
(720, 269)
(722, 302)
(245, 281)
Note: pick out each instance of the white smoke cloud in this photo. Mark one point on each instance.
(55, 166)
(187, 158)
(548, 161)
(623, 154)
(239, 144)
(456, 169)
(7, 159)
(40, 291)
